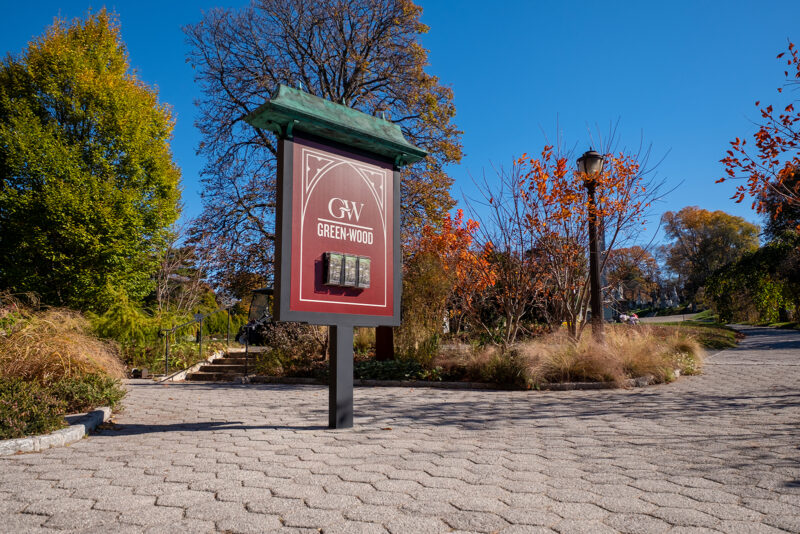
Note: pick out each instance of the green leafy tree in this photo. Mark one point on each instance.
(88, 188)
(704, 241)
(364, 54)
(763, 285)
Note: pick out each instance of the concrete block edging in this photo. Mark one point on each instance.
(639, 382)
(80, 426)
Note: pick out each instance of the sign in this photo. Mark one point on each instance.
(343, 219)
(337, 250)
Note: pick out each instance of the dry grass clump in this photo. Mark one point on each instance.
(52, 344)
(626, 352)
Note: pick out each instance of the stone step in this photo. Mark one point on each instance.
(222, 369)
(212, 377)
(231, 361)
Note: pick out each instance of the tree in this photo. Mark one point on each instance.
(88, 188)
(762, 285)
(782, 220)
(179, 283)
(635, 270)
(466, 268)
(538, 221)
(360, 53)
(768, 171)
(704, 241)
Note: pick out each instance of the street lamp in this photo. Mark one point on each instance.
(589, 165)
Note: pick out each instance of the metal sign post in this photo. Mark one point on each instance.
(337, 251)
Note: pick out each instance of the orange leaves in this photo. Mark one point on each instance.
(452, 243)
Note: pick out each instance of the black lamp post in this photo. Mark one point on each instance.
(589, 165)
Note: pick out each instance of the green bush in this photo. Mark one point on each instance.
(88, 392)
(27, 408)
(394, 370)
(426, 286)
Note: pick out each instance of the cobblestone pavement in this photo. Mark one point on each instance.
(718, 452)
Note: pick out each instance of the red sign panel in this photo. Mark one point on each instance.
(342, 207)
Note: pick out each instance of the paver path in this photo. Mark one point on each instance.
(669, 318)
(718, 452)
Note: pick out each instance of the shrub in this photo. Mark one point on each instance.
(27, 408)
(394, 370)
(55, 343)
(426, 286)
(295, 340)
(88, 392)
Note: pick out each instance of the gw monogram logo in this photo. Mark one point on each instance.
(340, 208)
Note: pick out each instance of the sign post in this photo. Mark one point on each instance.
(337, 251)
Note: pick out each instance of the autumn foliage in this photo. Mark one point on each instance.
(452, 243)
(768, 165)
(556, 213)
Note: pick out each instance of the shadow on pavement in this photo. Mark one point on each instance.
(203, 426)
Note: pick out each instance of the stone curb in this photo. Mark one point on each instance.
(82, 425)
(639, 382)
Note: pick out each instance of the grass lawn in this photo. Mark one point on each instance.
(710, 335)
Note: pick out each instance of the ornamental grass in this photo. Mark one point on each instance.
(625, 352)
(51, 344)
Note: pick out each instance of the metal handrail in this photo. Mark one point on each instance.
(198, 318)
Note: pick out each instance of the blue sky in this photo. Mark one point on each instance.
(682, 75)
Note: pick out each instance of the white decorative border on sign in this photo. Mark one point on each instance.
(375, 178)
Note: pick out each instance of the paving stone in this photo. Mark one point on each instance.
(124, 504)
(185, 498)
(296, 491)
(478, 504)
(529, 517)
(428, 508)
(637, 524)
(526, 529)
(473, 521)
(274, 505)
(249, 523)
(683, 517)
(23, 522)
(243, 494)
(56, 506)
(311, 518)
(152, 515)
(372, 513)
(749, 527)
(185, 526)
(214, 510)
(569, 510)
(790, 523)
(577, 526)
(81, 519)
(417, 525)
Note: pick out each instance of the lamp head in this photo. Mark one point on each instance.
(590, 162)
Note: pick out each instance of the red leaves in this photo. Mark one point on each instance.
(776, 153)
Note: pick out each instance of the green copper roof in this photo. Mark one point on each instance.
(292, 110)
